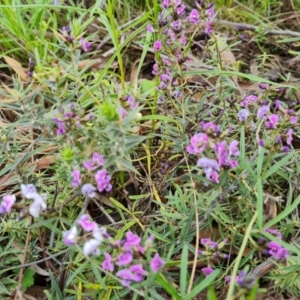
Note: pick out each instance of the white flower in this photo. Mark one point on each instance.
(37, 205)
(28, 190)
(98, 233)
(91, 247)
(70, 236)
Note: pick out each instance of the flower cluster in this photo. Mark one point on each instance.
(171, 22)
(258, 109)
(92, 243)
(211, 251)
(29, 192)
(130, 250)
(242, 280)
(208, 142)
(102, 178)
(67, 121)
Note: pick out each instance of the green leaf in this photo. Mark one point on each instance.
(183, 269)
(277, 166)
(167, 285)
(148, 87)
(211, 294)
(28, 279)
(202, 285)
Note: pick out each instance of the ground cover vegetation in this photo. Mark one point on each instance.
(149, 149)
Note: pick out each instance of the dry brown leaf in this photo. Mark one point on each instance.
(104, 200)
(95, 64)
(16, 66)
(228, 58)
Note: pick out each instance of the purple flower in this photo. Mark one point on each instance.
(289, 136)
(233, 148)
(249, 100)
(261, 143)
(61, 126)
(96, 161)
(262, 112)
(103, 181)
(131, 240)
(263, 86)
(273, 120)
(166, 3)
(150, 28)
(243, 114)
(91, 247)
(157, 46)
(210, 167)
(209, 244)
(277, 251)
(70, 236)
(180, 9)
(7, 203)
(156, 263)
(138, 272)
(274, 232)
(126, 277)
(85, 222)
(124, 258)
(210, 128)
(131, 101)
(208, 28)
(210, 11)
(245, 281)
(84, 44)
(107, 263)
(293, 119)
(76, 178)
(198, 143)
(194, 16)
(88, 190)
(207, 271)
(122, 113)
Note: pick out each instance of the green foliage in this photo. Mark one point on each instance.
(28, 279)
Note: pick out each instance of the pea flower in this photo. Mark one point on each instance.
(76, 178)
(85, 222)
(156, 263)
(207, 271)
(88, 190)
(103, 181)
(273, 120)
(91, 247)
(7, 203)
(243, 114)
(107, 264)
(198, 143)
(70, 236)
(157, 46)
(96, 161)
(277, 251)
(84, 44)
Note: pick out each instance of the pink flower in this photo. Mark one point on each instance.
(96, 161)
(150, 28)
(289, 136)
(207, 271)
(84, 44)
(194, 16)
(198, 143)
(7, 203)
(273, 120)
(293, 120)
(157, 46)
(103, 181)
(132, 240)
(107, 264)
(76, 178)
(249, 99)
(124, 259)
(126, 277)
(85, 222)
(138, 272)
(156, 263)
